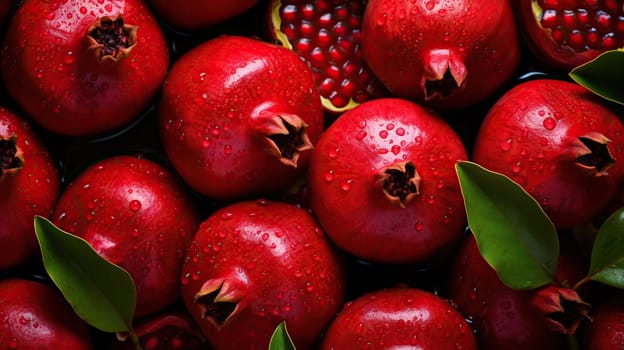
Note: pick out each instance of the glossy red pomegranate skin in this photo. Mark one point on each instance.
(198, 14)
(399, 318)
(51, 68)
(346, 186)
(606, 330)
(534, 133)
(136, 214)
(579, 32)
(220, 114)
(35, 316)
(253, 264)
(451, 54)
(504, 318)
(29, 186)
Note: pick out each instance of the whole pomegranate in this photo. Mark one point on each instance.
(239, 117)
(399, 318)
(327, 35)
(451, 54)
(136, 214)
(29, 186)
(198, 14)
(82, 67)
(34, 315)
(504, 318)
(253, 264)
(606, 330)
(565, 34)
(560, 142)
(382, 182)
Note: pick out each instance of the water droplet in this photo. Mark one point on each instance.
(395, 149)
(419, 226)
(329, 176)
(227, 149)
(135, 205)
(383, 134)
(550, 123)
(506, 145)
(516, 168)
(333, 154)
(400, 131)
(227, 215)
(346, 186)
(541, 113)
(265, 236)
(430, 5)
(13, 343)
(360, 135)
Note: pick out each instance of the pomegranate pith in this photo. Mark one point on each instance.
(326, 35)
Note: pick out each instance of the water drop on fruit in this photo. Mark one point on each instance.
(135, 205)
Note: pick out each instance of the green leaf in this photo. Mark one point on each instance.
(513, 233)
(603, 75)
(607, 258)
(280, 340)
(100, 292)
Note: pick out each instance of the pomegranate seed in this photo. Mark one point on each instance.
(576, 40)
(549, 19)
(608, 42)
(347, 45)
(307, 28)
(339, 101)
(326, 87)
(333, 72)
(620, 25)
(323, 5)
(307, 12)
(317, 58)
(350, 68)
(303, 45)
(290, 31)
(325, 20)
(324, 38)
(335, 54)
(603, 20)
(339, 28)
(568, 19)
(341, 12)
(592, 38)
(611, 5)
(348, 88)
(582, 17)
(591, 4)
(355, 22)
(289, 13)
(558, 34)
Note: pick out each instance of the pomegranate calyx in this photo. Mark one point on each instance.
(285, 137)
(595, 154)
(400, 183)
(110, 39)
(563, 308)
(444, 73)
(219, 301)
(11, 156)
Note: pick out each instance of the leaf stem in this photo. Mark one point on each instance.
(581, 282)
(572, 341)
(134, 338)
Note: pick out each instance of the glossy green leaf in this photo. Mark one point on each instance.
(513, 233)
(607, 258)
(280, 340)
(101, 293)
(604, 75)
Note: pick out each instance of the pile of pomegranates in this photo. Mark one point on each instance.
(323, 174)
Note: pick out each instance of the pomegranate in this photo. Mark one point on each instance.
(83, 67)
(326, 35)
(504, 318)
(167, 330)
(565, 34)
(136, 214)
(253, 264)
(382, 182)
(198, 14)
(239, 117)
(451, 54)
(559, 142)
(399, 318)
(29, 186)
(35, 316)
(606, 331)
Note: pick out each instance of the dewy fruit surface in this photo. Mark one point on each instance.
(29, 185)
(83, 67)
(34, 316)
(382, 182)
(560, 142)
(450, 54)
(134, 213)
(253, 264)
(564, 34)
(327, 35)
(239, 117)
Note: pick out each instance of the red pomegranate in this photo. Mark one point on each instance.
(239, 117)
(35, 316)
(560, 142)
(606, 330)
(327, 35)
(198, 14)
(29, 186)
(253, 264)
(397, 318)
(382, 182)
(82, 67)
(136, 214)
(451, 54)
(565, 34)
(504, 318)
